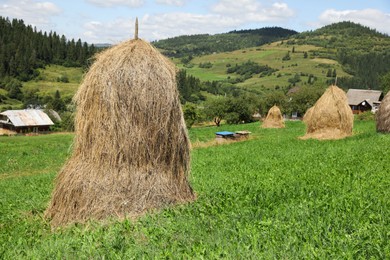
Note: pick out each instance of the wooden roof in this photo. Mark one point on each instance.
(26, 117)
(357, 96)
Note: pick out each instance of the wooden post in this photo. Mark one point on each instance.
(136, 29)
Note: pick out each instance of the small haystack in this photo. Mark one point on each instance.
(383, 115)
(330, 117)
(274, 119)
(131, 151)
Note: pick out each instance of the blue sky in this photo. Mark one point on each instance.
(112, 21)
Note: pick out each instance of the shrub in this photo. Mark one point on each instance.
(366, 116)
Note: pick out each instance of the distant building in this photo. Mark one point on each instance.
(361, 100)
(25, 121)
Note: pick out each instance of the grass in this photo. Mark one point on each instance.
(271, 197)
(271, 55)
(47, 83)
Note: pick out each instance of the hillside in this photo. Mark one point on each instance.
(357, 55)
(362, 52)
(195, 45)
(298, 69)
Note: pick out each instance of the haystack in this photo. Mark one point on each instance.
(274, 119)
(330, 117)
(383, 115)
(131, 150)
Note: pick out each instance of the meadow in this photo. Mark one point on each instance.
(269, 54)
(273, 196)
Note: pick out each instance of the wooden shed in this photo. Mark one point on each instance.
(25, 121)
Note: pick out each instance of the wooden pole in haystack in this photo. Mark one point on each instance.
(131, 150)
(383, 115)
(330, 117)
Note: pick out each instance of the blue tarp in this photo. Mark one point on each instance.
(224, 133)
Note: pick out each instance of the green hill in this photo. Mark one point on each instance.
(272, 55)
(362, 52)
(195, 45)
(357, 55)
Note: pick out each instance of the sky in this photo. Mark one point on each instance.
(112, 21)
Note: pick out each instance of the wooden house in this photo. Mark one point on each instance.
(25, 121)
(361, 100)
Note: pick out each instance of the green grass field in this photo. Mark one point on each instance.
(271, 55)
(272, 197)
(47, 81)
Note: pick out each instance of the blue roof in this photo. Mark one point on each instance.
(224, 133)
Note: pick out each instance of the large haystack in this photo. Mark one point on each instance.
(383, 115)
(330, 117)
(131, 151)
(274, 119)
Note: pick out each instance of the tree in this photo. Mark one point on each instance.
(385, 83)
(287, 56)
(329, 73)
(31, 98)
(57, 103)
(190, 114)
(239, 110)
(277, 98)
(14, 88)
(303, 99)
(215, 109)
(334, 73)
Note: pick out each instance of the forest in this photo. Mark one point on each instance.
(24, 50)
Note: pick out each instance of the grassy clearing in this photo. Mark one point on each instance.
(271, 197)
(47, 81)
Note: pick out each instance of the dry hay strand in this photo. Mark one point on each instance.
(330, 117)
(383, 115)
(307, 115)
(274, 119)
(131, 150)
(4, 131)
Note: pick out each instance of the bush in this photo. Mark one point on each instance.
(63, 78)
(366, 116)
(206, 65)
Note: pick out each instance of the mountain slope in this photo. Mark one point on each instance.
(357, 55)
(195, 45)
(363, 52)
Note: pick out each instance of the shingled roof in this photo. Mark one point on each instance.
(27, 117)
(357, 96)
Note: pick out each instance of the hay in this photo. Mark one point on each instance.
(307, 115)
(274, 119)
(131, 150)
(4, 131)
(330, 117)
(383, 115)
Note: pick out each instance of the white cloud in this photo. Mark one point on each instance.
(112, 3)
(253, 11)
(224, 16)
(171, 2)
(35, 13)
(368, 17)
(157, 27)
